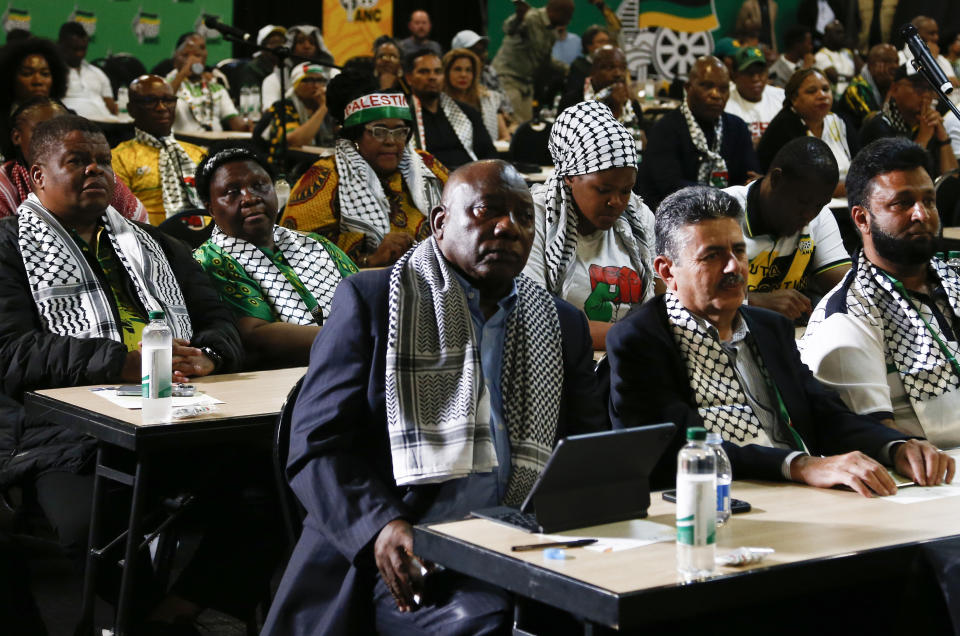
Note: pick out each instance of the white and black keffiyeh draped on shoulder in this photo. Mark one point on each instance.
(308, 258)
(587, 138)
(721, 400)
(175, 166)
(461, 124)
(869, 294)
(69, 297)
(713, 161)
(364, 206)
(434, 378)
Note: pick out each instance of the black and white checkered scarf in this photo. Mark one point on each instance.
(461, 124)
(69, 297)
(910, 349)
(364, 206)
(587, 138)
(308, 258)
(176, 167)
(713, 161)
(721, 400)
(892, 111)
(434, 378)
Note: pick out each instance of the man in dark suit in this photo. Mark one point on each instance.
(698, 357)
(428, 386)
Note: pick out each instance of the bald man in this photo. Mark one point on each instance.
(929, 32)
(156, 167)
(419, 27)
(867, 90)
(698, 143)
(362, 492)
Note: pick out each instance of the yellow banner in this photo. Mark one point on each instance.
(351, 26)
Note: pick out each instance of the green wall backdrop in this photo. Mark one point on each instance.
(115, 23)
(585, 14)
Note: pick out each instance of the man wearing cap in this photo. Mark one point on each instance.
(156, 167)
(419, 27)
(307, 120)
(752, 99)
(867, 90)
(261, 66)
(908, 112)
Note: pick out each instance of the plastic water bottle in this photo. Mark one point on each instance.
(157, 370)
(245, 101)
(696, 507)
(256, 108)
(282, 188)
(123, 98)
(724, 477)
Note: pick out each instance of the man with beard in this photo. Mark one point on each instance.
(886, 337)
(698, 357)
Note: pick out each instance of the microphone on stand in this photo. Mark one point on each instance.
(213, 23)
(923, 61)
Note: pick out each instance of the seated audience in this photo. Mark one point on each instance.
(517, 376)
(253, 73)
(419, 27)
(157, 167)
(386, 59)
(461, 81)
(489, 78)
(278, 283)
(593, 38)
(868, 90)
(794, 248)
(929, 32)
(610, 81)
(77, 281)
(806, 111)
(15, 183)
(594, 237)
(306, 45)
(886, 337)
(203, 105)
(89, 93)
(698, 142)
(373, 196)
(307, 120)
(451, 131)
(951, 50)
(797, 54)
(698, 356)
(752, 99)
(30, 68)
(909, 112)
(838, 63)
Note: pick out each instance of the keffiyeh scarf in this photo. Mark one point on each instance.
(892, 112)
(68, 295)
(364, 206)
(307, 257)
(586, 138)
(923, 367)
(713, 163)
(721, 400)
(434, 378)
(461, 124)
(176, 172)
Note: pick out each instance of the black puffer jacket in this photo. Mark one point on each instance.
(32, 358)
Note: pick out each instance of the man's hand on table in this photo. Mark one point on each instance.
(400, 569)
(922, 462)
(856, 470)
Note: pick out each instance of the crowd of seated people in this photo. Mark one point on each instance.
(685, 247)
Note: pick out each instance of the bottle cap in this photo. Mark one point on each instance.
(714, 438)
(696, 434)
(555, 554)
(156, 314)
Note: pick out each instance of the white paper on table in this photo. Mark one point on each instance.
(622, 535)
(136, 402)
(909, 492)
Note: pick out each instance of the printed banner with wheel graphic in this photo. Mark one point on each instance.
(679, 15)
(351, 26)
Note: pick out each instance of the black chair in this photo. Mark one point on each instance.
(948, 198)
(121, 68)
(293, 511)
(193, 227)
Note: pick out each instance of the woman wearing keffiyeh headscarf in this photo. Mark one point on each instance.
(594, 237)
(373, 197)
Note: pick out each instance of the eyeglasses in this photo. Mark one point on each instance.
(151, 102)
(382, 133)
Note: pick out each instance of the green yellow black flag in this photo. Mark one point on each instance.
(687, 16)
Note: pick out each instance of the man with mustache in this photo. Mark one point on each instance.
(698, 357)
(435, 387)
(886, 337)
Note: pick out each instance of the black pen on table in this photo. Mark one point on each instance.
(558, 544)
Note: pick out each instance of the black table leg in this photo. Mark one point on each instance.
(85, 626)
(133, 543)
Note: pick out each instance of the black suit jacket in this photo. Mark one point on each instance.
(340, 464)
(649, 384)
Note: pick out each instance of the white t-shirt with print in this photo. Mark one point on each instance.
(758, 115)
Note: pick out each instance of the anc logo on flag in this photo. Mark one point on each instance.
(680, 15)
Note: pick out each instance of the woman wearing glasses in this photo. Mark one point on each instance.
(386, 62)
(373, 197)
(307, 121)
(279, 284)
